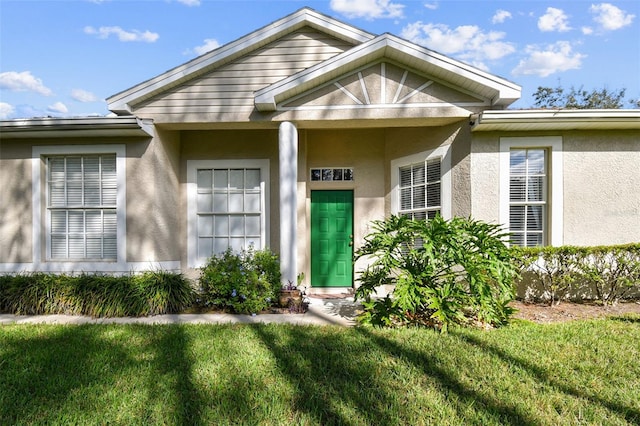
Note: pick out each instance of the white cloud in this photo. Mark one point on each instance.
(554, 58)
(587, 30)
(368, 9)
(209, 45)
(467, 42)
(58, 108)
(554, 20)
(83, 96)
(431, 6)
(6, 110)
(134, 35)
(190, 2)
(609, 17)
(23, 82)
(500, 16)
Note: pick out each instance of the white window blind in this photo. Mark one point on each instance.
(527, 196)
(82, 192)
(229, 210)
(420, 190)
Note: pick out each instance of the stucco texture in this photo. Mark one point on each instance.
(602, 177)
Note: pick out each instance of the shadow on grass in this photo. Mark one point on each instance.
(440, 371)
(77, 374)
(40, 375)
(541, 375)
(172, 377)
(335, 384)
(630, 318)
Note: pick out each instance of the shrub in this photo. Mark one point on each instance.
(153, 292)
(604, 273)
(445, 272)
(246, 282)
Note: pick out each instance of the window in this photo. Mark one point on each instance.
(79, 207)
(332, 174)
(227, 207)
(420, 191)
(81, 204)
(421, 184)
(527, 197)
(531, 196)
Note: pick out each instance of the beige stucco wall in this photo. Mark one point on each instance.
(601, 181)
(16, 217)
(152, 194)
(601, 187)
(485, 177)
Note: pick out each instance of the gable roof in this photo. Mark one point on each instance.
(497, 91)
(121, 103)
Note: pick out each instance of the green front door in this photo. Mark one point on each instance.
(331, 238)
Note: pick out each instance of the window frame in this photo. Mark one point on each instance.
(192, 202)
(442, 152)
(42, 214)
(552, 145)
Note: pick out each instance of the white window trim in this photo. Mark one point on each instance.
(553, 144)
(39, 203)
(192, 205)
(443, 152)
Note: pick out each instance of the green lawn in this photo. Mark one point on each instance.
(574, 373)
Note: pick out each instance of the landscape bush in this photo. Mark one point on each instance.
(444, 272)
(148, 293)
(604, 273)
(247, 282)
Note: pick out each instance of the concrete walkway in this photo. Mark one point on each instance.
(322, 311)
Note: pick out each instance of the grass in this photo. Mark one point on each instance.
(583, 372)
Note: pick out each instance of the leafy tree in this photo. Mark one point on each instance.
(557, 97)
(444, 273)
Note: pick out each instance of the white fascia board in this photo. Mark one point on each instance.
(385, 45)
(549, 119)
(121, 102)
(506, 91)
(75, 127)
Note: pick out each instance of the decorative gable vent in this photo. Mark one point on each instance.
(382, 84)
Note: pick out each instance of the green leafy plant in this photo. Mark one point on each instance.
(444, 273)
(246, 282)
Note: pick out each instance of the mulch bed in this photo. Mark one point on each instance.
(568, 311)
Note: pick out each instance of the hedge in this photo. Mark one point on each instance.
(604, 273)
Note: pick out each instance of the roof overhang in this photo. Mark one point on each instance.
(576, 119)
(121, 103)
(498, 91)
(75, 127)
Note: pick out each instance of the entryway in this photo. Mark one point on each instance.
(331, 238)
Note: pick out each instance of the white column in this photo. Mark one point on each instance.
(288, 150)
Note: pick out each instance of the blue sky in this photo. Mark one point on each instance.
(63, 58)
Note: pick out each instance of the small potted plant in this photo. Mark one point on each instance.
(290, 294)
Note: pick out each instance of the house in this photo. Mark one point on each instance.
(295, 137)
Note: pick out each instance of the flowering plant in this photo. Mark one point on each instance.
(246, 282)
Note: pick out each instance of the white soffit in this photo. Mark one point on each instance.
(499, 91)
(122, 102)
(569, 119)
